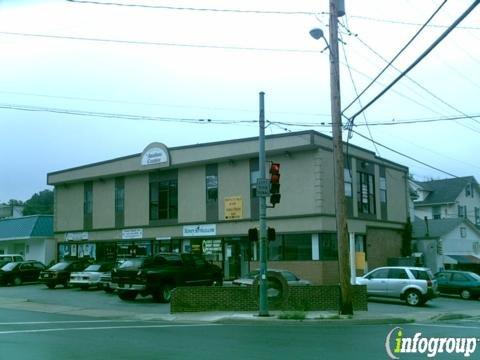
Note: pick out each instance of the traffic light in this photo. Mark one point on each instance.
(271, 235)
(274, 183)
(253, 234)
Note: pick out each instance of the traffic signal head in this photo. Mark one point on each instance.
(271, 235)
(253, 234)
(274, 183)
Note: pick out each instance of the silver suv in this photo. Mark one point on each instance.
(415, 285)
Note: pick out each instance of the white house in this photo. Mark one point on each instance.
(447, 198)
(447, 243)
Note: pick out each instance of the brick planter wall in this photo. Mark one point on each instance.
(233, 298)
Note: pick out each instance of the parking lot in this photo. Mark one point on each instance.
(98, 299)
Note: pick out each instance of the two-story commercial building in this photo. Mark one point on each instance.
(202, 199)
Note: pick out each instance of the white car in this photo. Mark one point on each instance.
(90, 277)
(415, 285)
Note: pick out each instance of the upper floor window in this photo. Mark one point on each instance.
(164, 200)
(477, 216)
(436, 212)
(347, 175)
(383, 189)
(366, 193)
(211, 181)
(254, 175)
(469, 190)
(119, 195)
(88, 198)
(463, 232)
(462, 211)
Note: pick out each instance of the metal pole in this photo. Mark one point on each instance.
(263, 311)
(346, 306)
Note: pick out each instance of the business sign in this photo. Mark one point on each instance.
(211, 246)
(233, 208)
(76, 236)
(128, 234)
(155, 153)
(200, 230)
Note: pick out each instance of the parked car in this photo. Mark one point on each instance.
(106, 278)
(16, 273)
(291, 278)
(158, 275)
(415, 285)
(59, 274)
(6, 258)
(463, 283)
(90, 276)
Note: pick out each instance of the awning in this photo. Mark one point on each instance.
(463, 259)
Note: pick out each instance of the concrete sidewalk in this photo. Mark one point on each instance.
(279, 317)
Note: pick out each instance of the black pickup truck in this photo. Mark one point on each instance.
(158, 275)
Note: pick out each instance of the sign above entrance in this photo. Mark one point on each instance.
(128, 234)
(155, 154)
(76, 236)
(200, 230)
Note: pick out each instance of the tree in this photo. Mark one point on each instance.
(39, 203)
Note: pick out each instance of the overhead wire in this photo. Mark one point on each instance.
(409, 42)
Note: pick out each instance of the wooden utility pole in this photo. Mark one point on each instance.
(346, 306)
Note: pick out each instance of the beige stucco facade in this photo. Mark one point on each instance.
(307, 193)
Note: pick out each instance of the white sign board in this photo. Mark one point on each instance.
(76, 236)
(132, 234)
(154, 155)
(200, 230)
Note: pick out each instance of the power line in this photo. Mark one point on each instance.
(123, 116)
(404, 155)
(400, 22)
(409, 42)
(129, 102)
(183, 8)
(420, 58)
(139, 42)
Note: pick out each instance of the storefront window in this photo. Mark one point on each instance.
(297, 247)
(328, 246)
(212, 249)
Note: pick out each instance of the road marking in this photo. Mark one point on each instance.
(7, 332)
(446, 326)
(69, 322)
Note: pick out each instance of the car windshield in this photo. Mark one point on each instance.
(9, 266)
(137, 262)
(60, 266)
(94, 267)
(475, 277)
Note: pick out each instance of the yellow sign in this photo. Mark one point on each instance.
(233, 208)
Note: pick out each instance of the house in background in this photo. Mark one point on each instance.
(8, 211)
(447, 199)
(30, 236)
(447, 244)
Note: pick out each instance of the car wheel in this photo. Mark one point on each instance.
(17, 281)
(84, 287)
(465, 294)
(66, 284)
(108, 290)
(413, 298)
(166, 292)
(218, 282)
(127, 295)
(51, 286)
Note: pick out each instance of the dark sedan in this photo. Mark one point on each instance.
(59, 274)
(16, 273)
(463, 283)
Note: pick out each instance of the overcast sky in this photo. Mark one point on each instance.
(171, 65)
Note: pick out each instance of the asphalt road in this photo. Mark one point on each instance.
(30, 335)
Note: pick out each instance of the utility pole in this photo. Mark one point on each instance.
(263, 311)
(346, 306)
